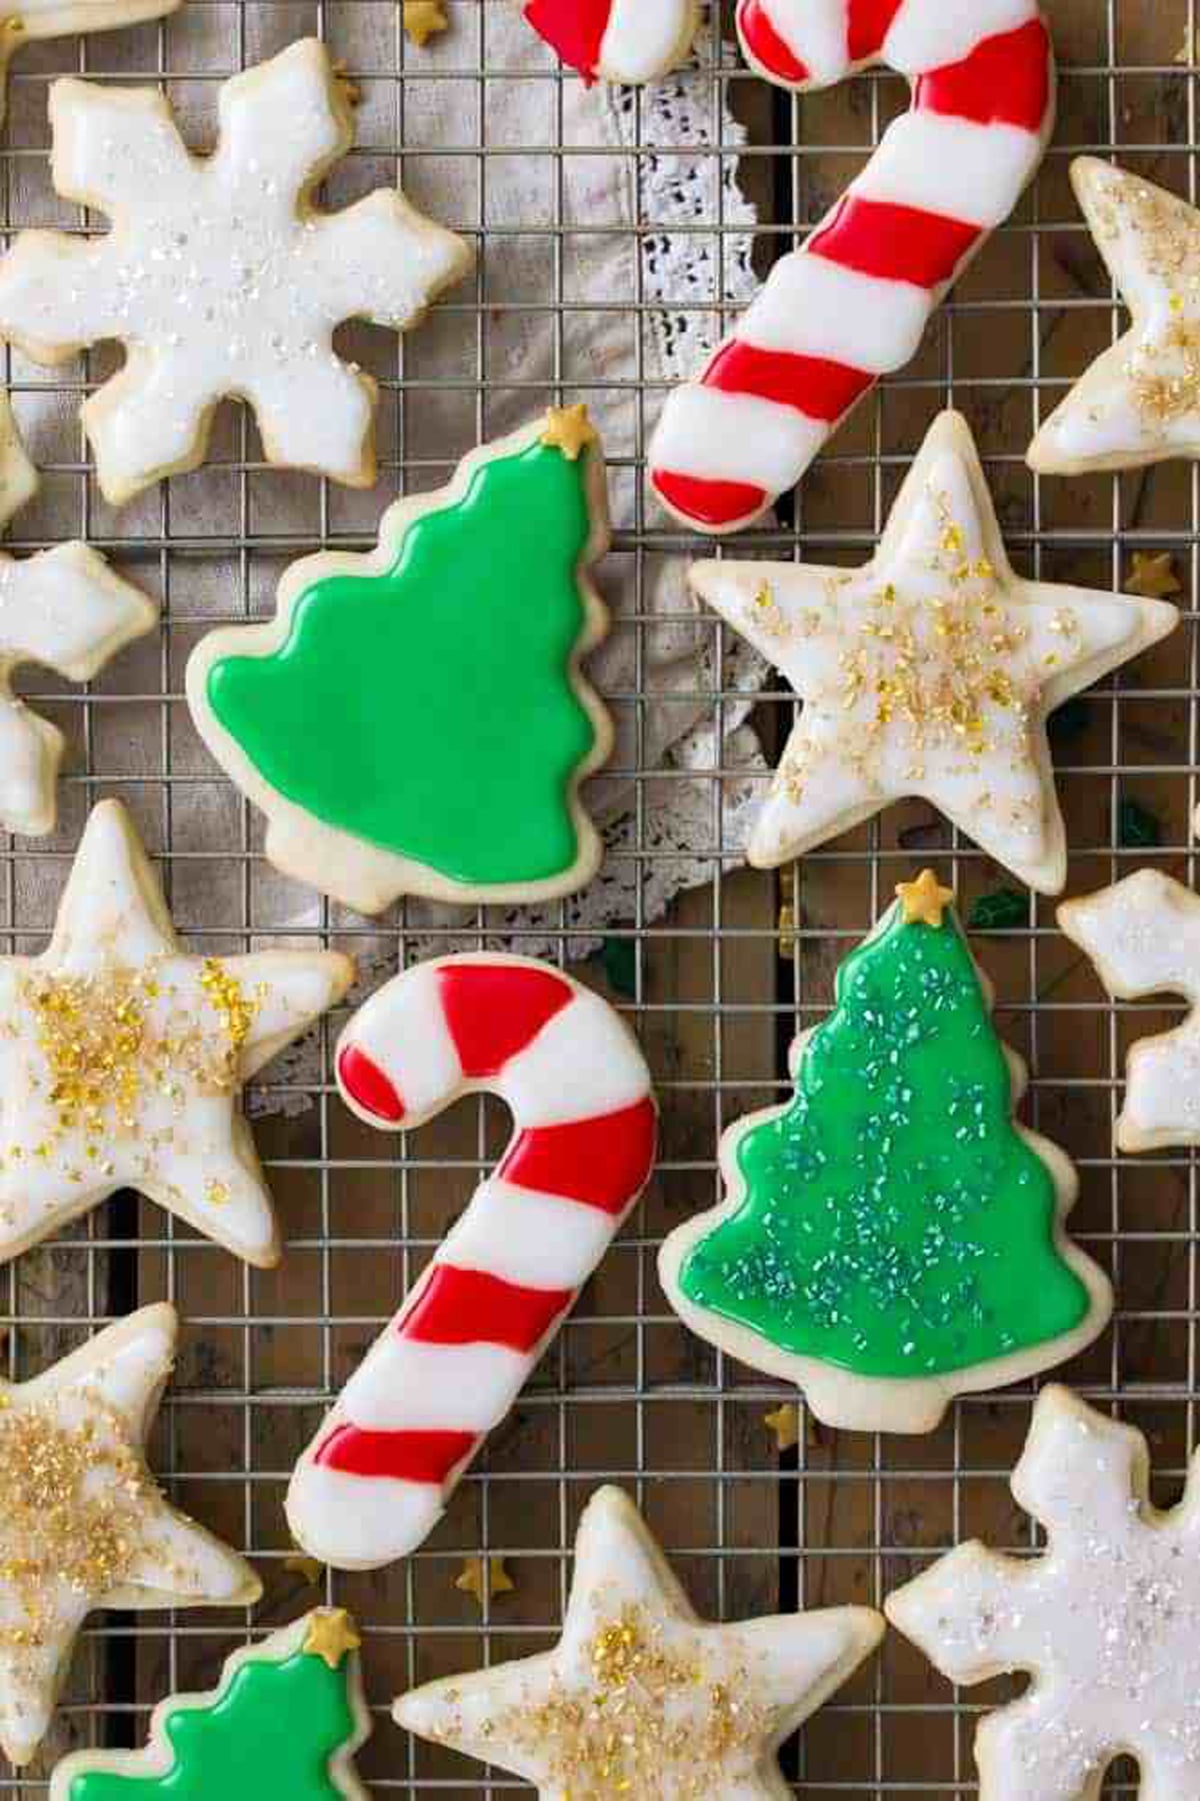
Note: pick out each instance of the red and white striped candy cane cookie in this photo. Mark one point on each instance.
(852, 303)
(378, 1474)
(617, 40)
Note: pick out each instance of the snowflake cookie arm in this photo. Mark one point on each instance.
(1143, 935)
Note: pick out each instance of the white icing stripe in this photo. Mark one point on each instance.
(815, 31)
(951, 166)
(641, 38)
(410, 1387)
(930, 34)
(814, 307)
(535, 1240)
(582, 1063)
(359, 1521)
(735, 437)
(404, 1032)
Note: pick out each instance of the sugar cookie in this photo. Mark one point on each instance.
(891, 1237)
(617, 40)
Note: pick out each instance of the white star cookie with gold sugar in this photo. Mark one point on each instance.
(640, 1697)
(221, 275)
(1139, 402)
(82, 1522)
(30, 20)
(122, 1057)
(1106, 1621)
(929, 672)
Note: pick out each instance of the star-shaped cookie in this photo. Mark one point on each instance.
(1140, 400)
(929, 672)
(82, 1521)
(1143, 935)
(122, 1057)
(640, 1698)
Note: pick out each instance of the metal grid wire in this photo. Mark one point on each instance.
(624, 1394)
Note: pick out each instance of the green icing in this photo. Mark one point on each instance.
(428, 710)
(894, 1222)
(269, 1737)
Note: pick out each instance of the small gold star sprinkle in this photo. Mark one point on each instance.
(924, 900)
(300, 1565)
(484, 1575)
(424, 19)
(788, 922)
(331, 1635)
(1153, 577)
(569, 429)
(1187, 54)
(785, 1424)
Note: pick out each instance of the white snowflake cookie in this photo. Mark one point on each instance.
(640, 1698)
(33, 19)
(122, 1057)
(83, 1523)
(64, 609)
(929, 672)
(220, 275)
(1139, 402)
(1106, 1621)
(1143, 935)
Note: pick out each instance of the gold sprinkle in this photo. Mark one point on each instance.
(784, 1423)
(331, 1634)
(925, 900)
(424, 19)
(1153, 577)
(569, 429)
(764, 613)
(216, 1192)
(480, 1575)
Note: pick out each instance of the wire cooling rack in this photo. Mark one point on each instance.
(714, 987)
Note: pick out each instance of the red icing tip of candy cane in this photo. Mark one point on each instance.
(853, 302)
(376, 1478)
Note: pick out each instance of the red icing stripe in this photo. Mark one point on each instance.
(468, 1306)
(708, 502)
(868, 23)
(602, 1162)
(898, 243)
(368, 1085)
(813, 384)
(765, 44)
(405, 1456)
(494, 1010)
(574, 28)
(1004, 81)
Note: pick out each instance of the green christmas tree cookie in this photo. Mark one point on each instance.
(414, 721)
(891, 1237)
(282, 1725)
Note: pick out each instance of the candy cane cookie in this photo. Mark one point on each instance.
(852, 303)
(377, 1476)
(630, 41)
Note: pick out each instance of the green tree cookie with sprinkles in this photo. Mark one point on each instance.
(415, 720)
(283, 1724)
(891, 1237)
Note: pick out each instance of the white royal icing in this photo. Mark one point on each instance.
(645, 38)
(535, 1240)
(928, 34)
(929, 672)
(814, 307)
(1140, 400)
(1107, 1620)
(702, 1709)
(949, 166)
(150, 1100)
(104, 1535)
(1143, 935)
(219, 275)
(734, 437)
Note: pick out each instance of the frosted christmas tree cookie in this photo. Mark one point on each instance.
(122, 1057)
(283, 1724)
(82, 1521)
(221, 275)
(891, 1237)
(64, 609)
(931, 671)
(1140, 400)
(415, 721)
(1106, 1620)
(641, 1699)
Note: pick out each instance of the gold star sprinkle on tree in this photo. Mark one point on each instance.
(924, 900)
(1153, 577)
(1186, 54)
(640, 1699)
(484, 1576)
(569, 429)
(784, 1423)
(331, 1635)
(424, 19)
